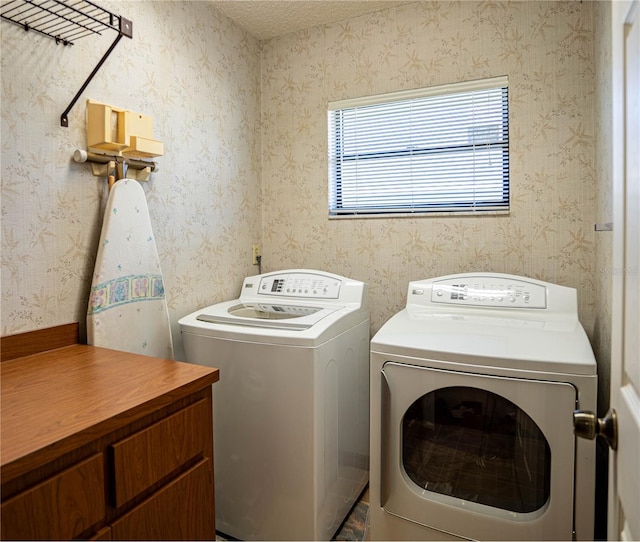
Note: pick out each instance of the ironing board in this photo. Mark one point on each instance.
(127, 306)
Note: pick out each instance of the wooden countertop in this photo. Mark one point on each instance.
(58, 400)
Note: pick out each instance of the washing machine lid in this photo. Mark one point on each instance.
(266, 315)
(459, 319)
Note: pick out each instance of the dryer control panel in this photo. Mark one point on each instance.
(487, 291)
(305, 285)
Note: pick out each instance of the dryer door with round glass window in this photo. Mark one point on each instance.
(491, 455)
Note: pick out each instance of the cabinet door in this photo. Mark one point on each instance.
(147, 456)
(59, 508)
(182, 510)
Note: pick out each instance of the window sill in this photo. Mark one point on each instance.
(439, 214)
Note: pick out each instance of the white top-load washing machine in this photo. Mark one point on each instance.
(291, 409)
(473, 389)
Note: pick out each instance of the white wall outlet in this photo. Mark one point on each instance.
(255, 251)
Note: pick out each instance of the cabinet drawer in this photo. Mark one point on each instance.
(181, 510)
(144, 458)
(59, 508)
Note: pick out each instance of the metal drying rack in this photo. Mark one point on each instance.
(66, 21)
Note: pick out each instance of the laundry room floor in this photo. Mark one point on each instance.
(356, 526)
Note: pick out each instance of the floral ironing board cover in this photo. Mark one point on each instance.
(127, 305)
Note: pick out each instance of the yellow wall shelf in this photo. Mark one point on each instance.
(120, 132)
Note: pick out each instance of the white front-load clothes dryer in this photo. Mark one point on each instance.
(291, 409)
(473, 389)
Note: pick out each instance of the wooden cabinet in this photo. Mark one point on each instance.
(105, 445)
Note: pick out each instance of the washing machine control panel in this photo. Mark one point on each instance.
(488, 292)
(305, 285)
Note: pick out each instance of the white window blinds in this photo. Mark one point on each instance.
(440, 149)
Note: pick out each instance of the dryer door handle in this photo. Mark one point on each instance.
(587, 425)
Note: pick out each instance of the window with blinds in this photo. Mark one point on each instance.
(440, 149)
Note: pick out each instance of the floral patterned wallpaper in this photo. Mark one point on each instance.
(244, 128)
(545, 48)
(198, 76)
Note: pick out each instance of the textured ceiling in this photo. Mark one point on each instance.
(266, 19)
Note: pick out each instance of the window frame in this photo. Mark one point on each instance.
(336, 159)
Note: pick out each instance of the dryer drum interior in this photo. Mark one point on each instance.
(477, 446)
